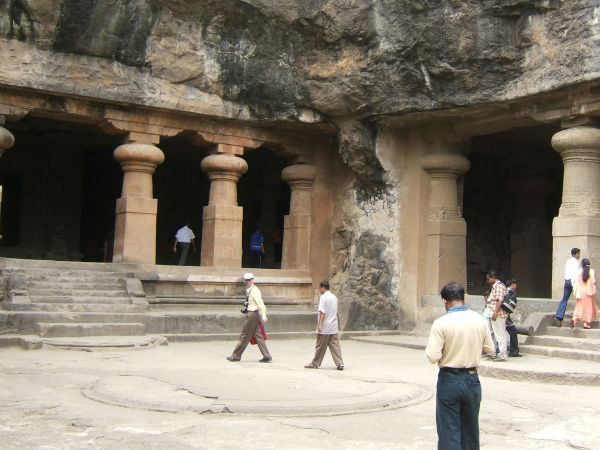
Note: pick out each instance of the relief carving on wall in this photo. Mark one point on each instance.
(440, 212)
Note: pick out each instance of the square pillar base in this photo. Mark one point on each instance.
(296, 242)
(446, 254)
(135, 230)
(222, 236)
(569, 232)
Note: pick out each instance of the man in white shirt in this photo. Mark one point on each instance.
(327, 329)
(456, 342)
(571, 272)
(184, 237)
(256, 311)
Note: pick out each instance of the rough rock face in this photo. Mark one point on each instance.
(343, 61)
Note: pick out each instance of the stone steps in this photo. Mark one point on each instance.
(81, 300)
(71, 286)
(77, 307)
(38, 279)
(575, 343)
(578, 331)
(31, 272)
(60, 329)
(77, 292)
(563, 342)
(556, 352)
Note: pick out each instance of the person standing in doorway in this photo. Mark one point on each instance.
(585, 293)
(571, 273)
(184, 238)
(327, 329)
(456, 343)
(257, 247)
(497, 314)
(256, 311)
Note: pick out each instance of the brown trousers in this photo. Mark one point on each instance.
(333, 342)
(250, 329)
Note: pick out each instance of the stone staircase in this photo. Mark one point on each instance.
(73, 303)
(564, 342)
(85, 305)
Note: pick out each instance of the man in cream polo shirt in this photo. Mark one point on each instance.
(456, 342)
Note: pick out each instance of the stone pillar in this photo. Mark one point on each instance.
(296, 227)
(531, 237)
(135, 224)
(222, 218)
(578, 220)
(446, 228)
(7, 140)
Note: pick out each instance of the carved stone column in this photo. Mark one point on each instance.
(578, 220)
(222, 218)
(446, 228)
(7, 140)
(135, 224)
(296, 228)
(531, 237)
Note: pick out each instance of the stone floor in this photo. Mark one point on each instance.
(187, 395)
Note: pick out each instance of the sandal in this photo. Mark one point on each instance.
(572, 324)
(310, 366)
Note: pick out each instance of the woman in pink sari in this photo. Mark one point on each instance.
(585, 293)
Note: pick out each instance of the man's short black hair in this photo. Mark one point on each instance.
(510, 281)
(574, 251)
(324, 284)
(453, 291)
(492, 274)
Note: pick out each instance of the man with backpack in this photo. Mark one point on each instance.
(509, 304)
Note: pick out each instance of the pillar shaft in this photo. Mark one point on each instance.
(222, 218)
(446, 228)
(578, 220)
(296, 227)
(136, 209)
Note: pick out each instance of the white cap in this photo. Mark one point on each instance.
(248, 276)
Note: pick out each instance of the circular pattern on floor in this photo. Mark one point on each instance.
(329, 395)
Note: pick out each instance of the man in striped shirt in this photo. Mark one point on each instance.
(497, 314)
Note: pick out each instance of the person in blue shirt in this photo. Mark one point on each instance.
(257, 247)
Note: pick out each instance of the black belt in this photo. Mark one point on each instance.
(458, 369)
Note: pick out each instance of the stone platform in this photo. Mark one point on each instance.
(529, 368)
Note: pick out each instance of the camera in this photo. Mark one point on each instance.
(245, 310)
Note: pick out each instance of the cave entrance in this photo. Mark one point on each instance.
(59, 186)
(512, 192)
(182, 189)
(266, 200)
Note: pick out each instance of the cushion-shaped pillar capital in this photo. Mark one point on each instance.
(7, 140)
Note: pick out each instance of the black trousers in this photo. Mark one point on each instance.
(513, 348)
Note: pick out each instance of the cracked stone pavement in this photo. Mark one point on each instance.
(43, 406)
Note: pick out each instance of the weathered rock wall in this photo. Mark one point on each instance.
(342, 61)
(342, 58)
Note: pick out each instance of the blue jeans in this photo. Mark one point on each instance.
(457, 410)
(562, 307)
